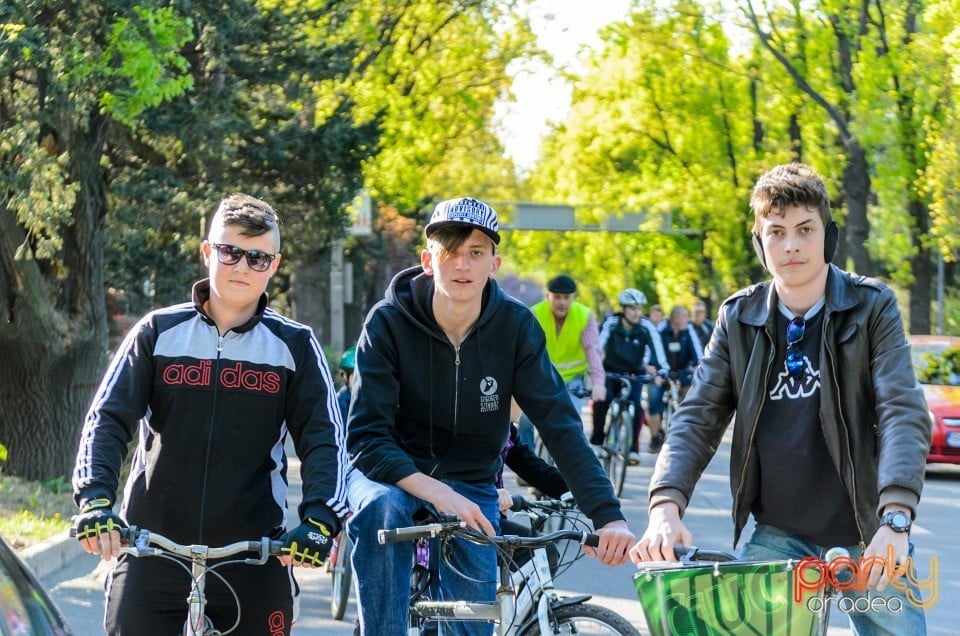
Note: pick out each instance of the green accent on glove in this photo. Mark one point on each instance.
(310, 542)
(95, 518)
(94, 504)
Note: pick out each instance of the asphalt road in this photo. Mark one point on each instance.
(78, 589)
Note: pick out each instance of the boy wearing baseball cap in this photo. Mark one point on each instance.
(437, 363)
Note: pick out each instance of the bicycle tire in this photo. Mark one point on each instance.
(668, 409)
(620, 458)
(586, 619)
(541, 450)
(341, 577)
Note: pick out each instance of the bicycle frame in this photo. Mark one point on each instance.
(525, 597)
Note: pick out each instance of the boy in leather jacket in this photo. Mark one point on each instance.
(831, 430)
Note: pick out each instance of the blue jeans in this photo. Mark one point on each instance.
(382, 572)
(902, 617)
(525, 426)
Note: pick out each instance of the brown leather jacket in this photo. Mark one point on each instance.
(873, 413)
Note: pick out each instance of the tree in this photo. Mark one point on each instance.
(67, 73)
(661, 123)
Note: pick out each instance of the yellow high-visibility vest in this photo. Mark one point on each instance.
(565, 350)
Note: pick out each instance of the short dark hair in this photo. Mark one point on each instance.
(256, 217)
(786, 185)
(451, 236)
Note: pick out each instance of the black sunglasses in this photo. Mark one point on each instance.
(258, 260)
(795, 331)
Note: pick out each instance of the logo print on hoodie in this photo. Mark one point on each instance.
(489, 400)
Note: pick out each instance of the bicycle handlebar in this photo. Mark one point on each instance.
(460, 529)
(693, 554)
(522, 504)
(137, 542)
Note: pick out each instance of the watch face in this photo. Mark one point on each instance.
(899, 521)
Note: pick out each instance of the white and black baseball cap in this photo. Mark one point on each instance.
(465, 211)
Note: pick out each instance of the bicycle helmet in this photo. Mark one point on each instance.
(631, 296)
(348, 359)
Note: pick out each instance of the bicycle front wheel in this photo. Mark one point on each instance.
(586, 619)
(668, 410)
(342, 577)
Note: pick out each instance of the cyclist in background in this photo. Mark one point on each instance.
(212, 388)
(681, 357)
(830, 428)
(700, 327)
(631, 345)
(437, 364)
(573, 344)
(347, 362)
(678, 343)
(657, 318)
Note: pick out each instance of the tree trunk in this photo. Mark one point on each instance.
(923, 270)
(53, 332)
(856, 187)
(310, 294)
(45, 395)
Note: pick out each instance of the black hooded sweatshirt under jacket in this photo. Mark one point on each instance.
(423, 405)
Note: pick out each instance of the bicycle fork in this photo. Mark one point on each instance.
(197, 623)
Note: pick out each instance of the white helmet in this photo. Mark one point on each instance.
(631, 296)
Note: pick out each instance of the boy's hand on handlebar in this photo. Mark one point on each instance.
(884, 559)
(664, 531)
(615, 542)
(450, 502)
(506, 500)
(307, 545)
(599, 393)
(98, 528)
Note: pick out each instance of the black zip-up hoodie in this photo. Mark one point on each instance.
(423, 405)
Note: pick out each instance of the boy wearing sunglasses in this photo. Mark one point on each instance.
(212, 388)
(831, 430)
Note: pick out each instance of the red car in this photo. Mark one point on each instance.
(943, 397)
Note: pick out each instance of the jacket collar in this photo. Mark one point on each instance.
(761, 299)
(201, 294)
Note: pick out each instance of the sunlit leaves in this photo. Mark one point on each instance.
(143, 57)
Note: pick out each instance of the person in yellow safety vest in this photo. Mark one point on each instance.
(573, 344)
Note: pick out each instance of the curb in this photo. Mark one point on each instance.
(51, 555)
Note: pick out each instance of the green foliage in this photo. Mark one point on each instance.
(941, 367)
(3, 453)
(151, 69)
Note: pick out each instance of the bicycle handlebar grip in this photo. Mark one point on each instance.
(519, 503)
(591, 540)
(407, 534)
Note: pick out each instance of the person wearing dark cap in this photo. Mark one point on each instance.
(573, 339)
(573, 344)
(437, 363)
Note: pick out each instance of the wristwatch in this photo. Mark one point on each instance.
(898, 521)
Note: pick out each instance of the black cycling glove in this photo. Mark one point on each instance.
(95, 518)
(310, 542)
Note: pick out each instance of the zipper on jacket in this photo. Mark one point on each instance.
(456, 388)
(206, 461)
(843, 424)
(753, 434)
